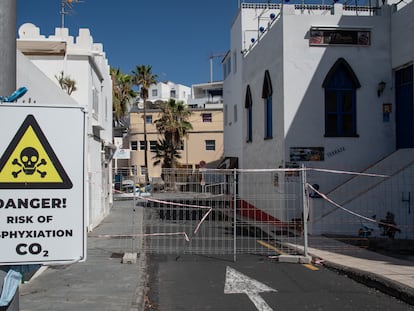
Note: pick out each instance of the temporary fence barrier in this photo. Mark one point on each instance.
(272, 212)
(224, 212)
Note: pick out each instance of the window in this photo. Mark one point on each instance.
(142, 145)
(142, 170)
(154, 93)
(95, 101)
(210, 144)
(340, 100)
(234, 62)
(148, 119)
(172, 94)
(249, 114)
(225, 115)
(227, 67)
(134, 145)
(106, 108)
(207, 117)
(268, 102)
(235, 113)
(268, 117)
(153, 145)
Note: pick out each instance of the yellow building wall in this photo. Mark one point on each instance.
(194, 145)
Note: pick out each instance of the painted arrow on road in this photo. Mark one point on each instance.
(238, 283)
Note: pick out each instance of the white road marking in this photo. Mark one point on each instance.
(238, 283)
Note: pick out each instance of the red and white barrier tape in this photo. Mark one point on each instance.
(174, 203)
(139, 235)
(186, 205)
(346, 172)
(349, 211)
(163, 234)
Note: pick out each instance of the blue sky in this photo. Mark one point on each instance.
(176, 38)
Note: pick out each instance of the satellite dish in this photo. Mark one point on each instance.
(141, 105)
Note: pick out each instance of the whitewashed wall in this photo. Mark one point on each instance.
(86, 63)
(182, 92)
(232, 93)
(297, 72)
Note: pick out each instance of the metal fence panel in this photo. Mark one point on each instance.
(223, 212)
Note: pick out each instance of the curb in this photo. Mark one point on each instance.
(381, 283)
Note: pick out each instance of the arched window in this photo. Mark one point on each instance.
(248, 103)
(267, 92)
(340, 100)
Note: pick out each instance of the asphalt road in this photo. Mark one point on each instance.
(195, 282)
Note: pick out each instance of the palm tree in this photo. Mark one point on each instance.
(166, 154)
(174, 125)
(122, 93)
(144, 78)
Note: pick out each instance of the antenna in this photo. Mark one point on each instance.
(67, 4)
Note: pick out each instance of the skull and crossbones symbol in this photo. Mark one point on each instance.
(29, 162)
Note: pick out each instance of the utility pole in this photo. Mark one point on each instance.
(8, 82)
(7, 47)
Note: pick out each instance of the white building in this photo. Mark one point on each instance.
(163, 91)
(328, 86)
(206, 95)
(39, 61)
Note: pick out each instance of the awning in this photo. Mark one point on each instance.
(41, 47)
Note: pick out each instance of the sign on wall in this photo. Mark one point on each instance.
(306, 154)
(339, 36)
(42, 184)
(121, 154)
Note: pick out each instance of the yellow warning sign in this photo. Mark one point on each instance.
(29, 162)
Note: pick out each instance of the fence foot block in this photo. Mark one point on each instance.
(294, 259)
(129, 258)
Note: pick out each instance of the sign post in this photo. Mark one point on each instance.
(42, 216)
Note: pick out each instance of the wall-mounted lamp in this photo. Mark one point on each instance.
(380, 88)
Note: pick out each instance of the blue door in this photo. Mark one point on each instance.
(404, 107)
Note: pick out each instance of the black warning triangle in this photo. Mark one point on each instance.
(29, 161)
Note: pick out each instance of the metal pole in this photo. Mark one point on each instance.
(7, 47)
(234, 214)
(304, 212)
(134, 207)
(8, 79)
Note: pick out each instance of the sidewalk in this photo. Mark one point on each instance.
(101, 283)
(391, 275)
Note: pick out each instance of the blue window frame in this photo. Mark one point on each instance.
(210, 144)
(268, 102)
(248, 103)
(250, 124)
(268, 117)
(148, 119)
(340, 101)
